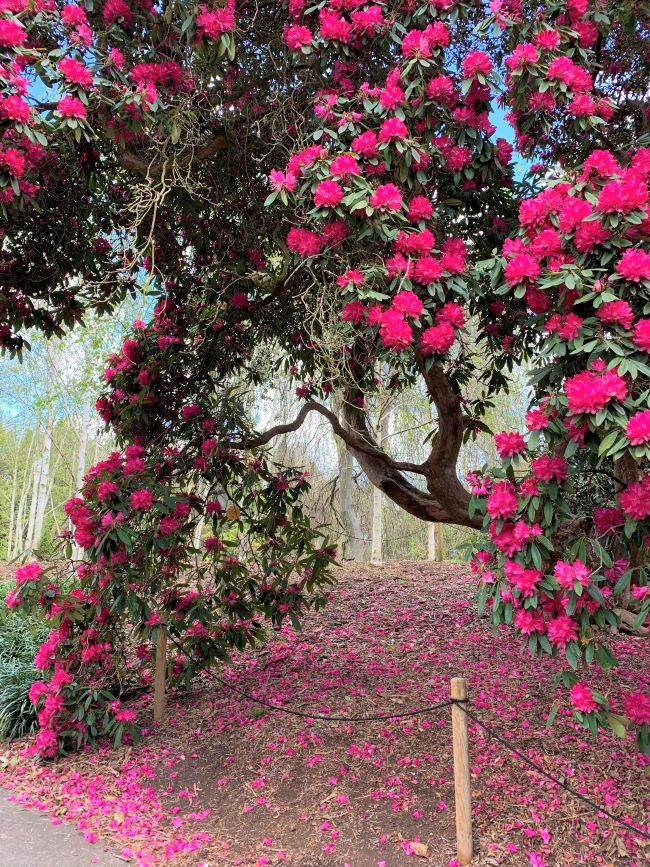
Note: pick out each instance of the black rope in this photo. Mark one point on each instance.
(524, 758)
(461, 703)
(323, 718)
(306, 715)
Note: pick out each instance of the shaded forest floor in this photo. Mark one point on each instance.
(223, 781)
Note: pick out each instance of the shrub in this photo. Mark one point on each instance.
(19, 640)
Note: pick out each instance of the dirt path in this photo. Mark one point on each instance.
(225, 782)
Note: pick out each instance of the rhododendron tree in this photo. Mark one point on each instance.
(332, 183)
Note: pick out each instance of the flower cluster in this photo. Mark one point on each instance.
(561, 578)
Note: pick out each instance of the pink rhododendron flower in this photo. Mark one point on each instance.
(407, 304)
(568, 573)
(117, 11)
(635, 499)
(622, 197)
(304, 242)
(502, 502)
(351, 276)
(520, 268)
(524, 580)
(75, 72)
(562, 630)
(582, 698)
(71, 106)
(344, 166)
(509, 444)
(14, 107)
(637, 707)
(395, 333)
(12, 34)
(641, 334)
(475, 63)
(452, 313)
(353, 312)
(391, 128)
(634, 265)
(427, 270)
(606, 519)
(386, 198)
(549, 468)
(588, 392)
(365, 144)
(28, 572)
(638, 428)
(529, 622)
(437, 339)
(328, 194)
(283, 181)
(142, 500)
(420, 208)
(297, 37)
(616, 312)
(536, 419)
(212, 23)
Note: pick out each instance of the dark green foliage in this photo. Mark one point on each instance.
(19, 640)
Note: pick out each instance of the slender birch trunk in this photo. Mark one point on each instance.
(83, 446)
(44, 480)
(383, 429)
(431, 541)
(12, 506)
(31, 524)
(18, 540)
(351, 542)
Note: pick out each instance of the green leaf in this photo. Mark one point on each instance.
(616, 725)
(553, 713)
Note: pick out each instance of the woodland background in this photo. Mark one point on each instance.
(50, 435)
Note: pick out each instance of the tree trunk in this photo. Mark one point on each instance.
(627, 471)
(351, 543)
(377, 497)
(77, 551)
(83, 446)
(26, 475)
(12, 507)
(435, 542)
(31, 524)
(43, 489)
(376, 554)
(431, 541)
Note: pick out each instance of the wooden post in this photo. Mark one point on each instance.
(462, 779)
(160, 676)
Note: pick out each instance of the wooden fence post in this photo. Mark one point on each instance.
(160, 675)
(462, 778)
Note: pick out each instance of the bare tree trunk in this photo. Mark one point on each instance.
(77, 551)
(43, 489)
(376, 554)
(19, 532)
(83, 446)
(431, 541)
(351, 542)
(627, 471)
(383, 425)
(29, 539)
(12, 506)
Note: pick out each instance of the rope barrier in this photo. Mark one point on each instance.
(321, 717)
(524, 758)
(462, 704)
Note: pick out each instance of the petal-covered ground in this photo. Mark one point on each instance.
(224, 781)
